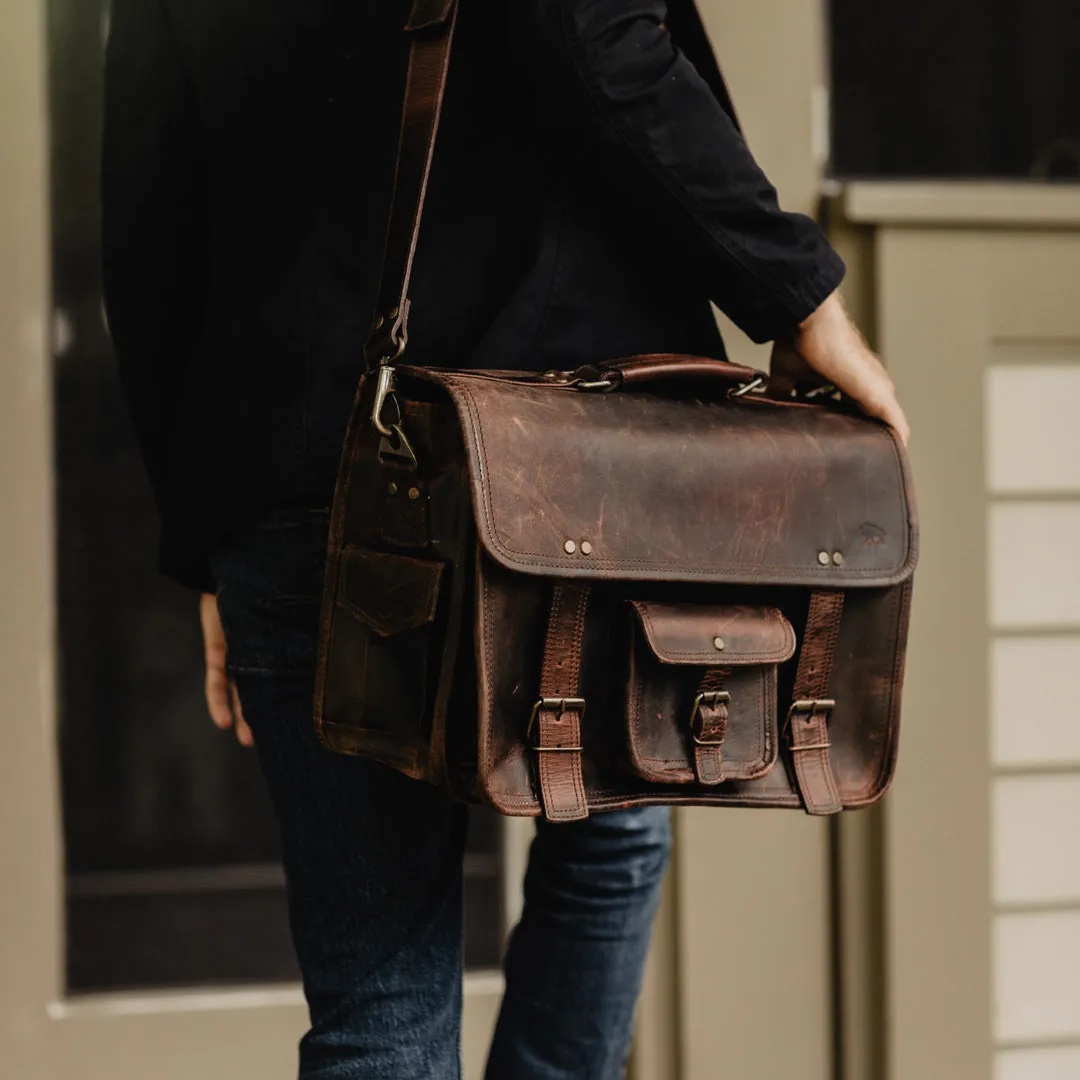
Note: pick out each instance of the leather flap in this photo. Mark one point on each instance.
(633, 485)
(715, 635)
(389, 593)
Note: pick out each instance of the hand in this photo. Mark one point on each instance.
(831, 344)
(221, 697)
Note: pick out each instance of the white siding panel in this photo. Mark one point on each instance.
(1037, 976)
(1033, 706)
(1032, 434)
(1034, 835)
(1034, 565)
(1051, 1063)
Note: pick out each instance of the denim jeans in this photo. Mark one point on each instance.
(374, 868)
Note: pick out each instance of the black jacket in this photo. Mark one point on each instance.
(590, 195)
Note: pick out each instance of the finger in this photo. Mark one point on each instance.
(887, 408)
(243, 733)
(217, 692)
(213, 634)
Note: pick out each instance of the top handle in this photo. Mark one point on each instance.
(645, 371)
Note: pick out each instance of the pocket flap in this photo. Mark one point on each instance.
(715, 634)
(389, 593)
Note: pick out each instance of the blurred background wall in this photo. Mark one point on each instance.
(141, 921)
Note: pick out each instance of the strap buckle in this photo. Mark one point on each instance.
(708, 698)
(561, 705)
(808, 708)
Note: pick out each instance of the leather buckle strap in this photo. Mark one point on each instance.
(808, 712)
(708, 699)
(808, 718)
(558, 705)
(555, 724)
(708, 726)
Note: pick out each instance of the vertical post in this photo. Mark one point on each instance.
(30, 902)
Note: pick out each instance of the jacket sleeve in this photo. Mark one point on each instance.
(609, 73)
(152, 223)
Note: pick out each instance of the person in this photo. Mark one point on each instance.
(590, 196)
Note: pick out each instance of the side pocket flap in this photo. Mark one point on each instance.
(389, 593)
(715, 634)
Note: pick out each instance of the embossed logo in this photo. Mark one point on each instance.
(872, 535)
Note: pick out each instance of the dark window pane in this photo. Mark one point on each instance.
(956, 88)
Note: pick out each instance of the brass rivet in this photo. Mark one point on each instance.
(823, 558)
(393, 313)
(838, 558)
(718, 642)
(378, 322)
(393, 488)
(414, 493)
(569, 547)
(586, 547)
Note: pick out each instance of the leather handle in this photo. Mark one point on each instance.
(661, 367)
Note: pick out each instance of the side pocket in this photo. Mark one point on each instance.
(701, 695)
(383, 648)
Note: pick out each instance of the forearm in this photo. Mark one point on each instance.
(659, 139)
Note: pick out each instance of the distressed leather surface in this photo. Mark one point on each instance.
(394, 685)
(661, 488)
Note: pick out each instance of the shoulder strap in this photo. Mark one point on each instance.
(431, 26)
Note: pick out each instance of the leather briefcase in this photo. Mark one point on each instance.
(662, 579)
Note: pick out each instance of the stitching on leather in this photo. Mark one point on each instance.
(544, 560)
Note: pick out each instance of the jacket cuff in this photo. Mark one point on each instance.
(790, 304)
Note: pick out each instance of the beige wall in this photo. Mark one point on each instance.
(29, 931)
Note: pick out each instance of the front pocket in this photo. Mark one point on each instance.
(701, 694)
(382, 643)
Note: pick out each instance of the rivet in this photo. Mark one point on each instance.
(379, 322)
(393, 488)
(718, 643)
(414, 493)
(569, 547)
(823, 558)
(586, 547)
(393, 313)
(838, 558)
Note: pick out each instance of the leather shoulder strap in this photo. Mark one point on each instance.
(431, 26)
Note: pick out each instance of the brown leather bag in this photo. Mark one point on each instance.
(664, 579)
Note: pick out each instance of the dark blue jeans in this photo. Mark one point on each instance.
(374, 860)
